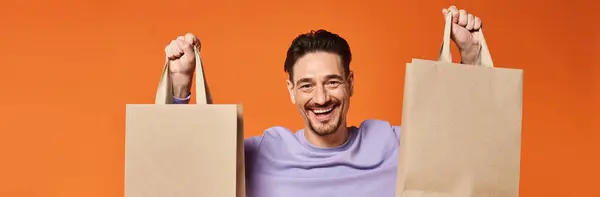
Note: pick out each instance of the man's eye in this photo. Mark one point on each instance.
(305, 86)
(333, 83)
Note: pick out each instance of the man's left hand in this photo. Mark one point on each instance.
(464, 26)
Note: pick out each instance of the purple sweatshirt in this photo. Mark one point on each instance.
(281, 163)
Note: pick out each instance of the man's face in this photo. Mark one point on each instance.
(321, 90)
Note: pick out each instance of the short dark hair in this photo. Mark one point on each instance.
(315, 41)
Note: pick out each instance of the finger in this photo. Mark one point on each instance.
(470, 22)
(475, 38)
(192, 39)
(455, 14)
(476, 23)
(186, 47)
(445, 12)
(179, 50)
(462, 19)
(178, 45)
(176, 48)
(171, 50)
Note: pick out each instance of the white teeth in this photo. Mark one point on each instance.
(320, 111)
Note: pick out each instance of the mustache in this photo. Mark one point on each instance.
(326, 104)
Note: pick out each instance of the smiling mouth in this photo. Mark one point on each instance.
(323, 111)
(323, 114)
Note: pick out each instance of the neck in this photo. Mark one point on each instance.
(329, 141)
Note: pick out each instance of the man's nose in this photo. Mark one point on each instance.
(321, 96)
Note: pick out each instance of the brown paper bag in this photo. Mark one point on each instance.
(461, 128)
(184, 150)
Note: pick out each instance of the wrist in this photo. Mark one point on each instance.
(181, 84)
(181, 91)
(470, 55)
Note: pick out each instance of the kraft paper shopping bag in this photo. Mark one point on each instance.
(461, 127)
(193, 150)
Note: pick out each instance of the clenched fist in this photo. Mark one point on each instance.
(182, 63)
(464, 26)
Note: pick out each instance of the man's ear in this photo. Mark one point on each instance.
(290, 87)
(351, 82)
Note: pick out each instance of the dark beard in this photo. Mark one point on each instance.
(336, 103)
(337, 126)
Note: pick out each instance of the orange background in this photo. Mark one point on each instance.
(69, 67)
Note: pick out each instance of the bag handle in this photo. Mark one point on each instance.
(164, 93)
(485, 58)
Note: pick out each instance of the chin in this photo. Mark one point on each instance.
(327, 127)
(325, 130)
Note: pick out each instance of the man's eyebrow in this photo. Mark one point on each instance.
(334, 76)
(328, 77)
(303, 80)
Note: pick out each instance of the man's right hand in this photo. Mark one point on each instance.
(182, 63)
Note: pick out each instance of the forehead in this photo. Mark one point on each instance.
(318, 65)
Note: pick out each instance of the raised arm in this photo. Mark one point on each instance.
(182, 63)
(464, 26)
